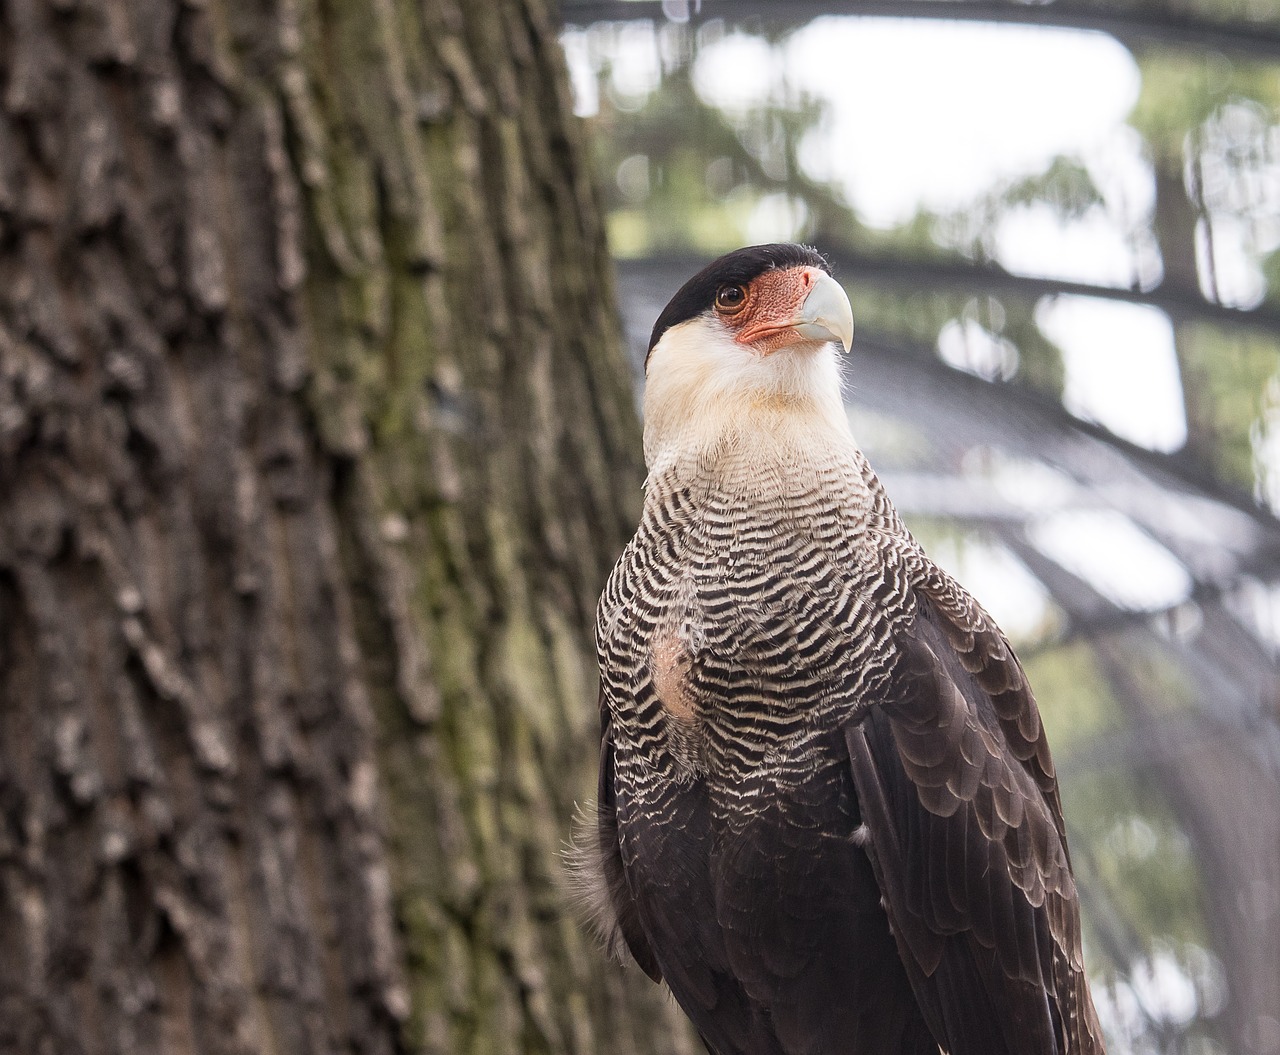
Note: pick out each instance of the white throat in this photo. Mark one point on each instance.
(708, 397)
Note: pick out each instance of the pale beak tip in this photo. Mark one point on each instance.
(826, 314)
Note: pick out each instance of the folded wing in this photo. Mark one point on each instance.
(965, 833)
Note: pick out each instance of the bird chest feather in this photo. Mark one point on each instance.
(727, 626)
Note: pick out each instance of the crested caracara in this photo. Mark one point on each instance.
(827, 813)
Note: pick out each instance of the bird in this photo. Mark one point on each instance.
(827, 816)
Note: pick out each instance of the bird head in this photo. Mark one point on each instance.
(752, 337)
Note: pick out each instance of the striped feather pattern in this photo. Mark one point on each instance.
(763, 613)
(758, 581)
(761, 579)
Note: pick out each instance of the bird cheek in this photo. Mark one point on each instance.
(765, 340)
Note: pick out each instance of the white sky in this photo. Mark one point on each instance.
(1121, 368)
(1110, 552)
(921, 111)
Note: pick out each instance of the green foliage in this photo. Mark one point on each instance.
(1139, 852)
(1225, 380)
(679, 174)
(1182, 90)
(1066, 184)
(1076, 702)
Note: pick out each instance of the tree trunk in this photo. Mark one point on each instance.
(316, 444)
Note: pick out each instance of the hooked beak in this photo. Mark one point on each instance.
(825, 314)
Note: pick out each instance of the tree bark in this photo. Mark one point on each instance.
(316, 444)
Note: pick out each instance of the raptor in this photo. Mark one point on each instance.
(827, 813)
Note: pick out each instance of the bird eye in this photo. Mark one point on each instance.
(730, 299)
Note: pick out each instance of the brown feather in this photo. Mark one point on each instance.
(970, 846)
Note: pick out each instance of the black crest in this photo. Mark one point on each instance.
(739, 267)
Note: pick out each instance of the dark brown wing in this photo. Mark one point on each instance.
(957, 789)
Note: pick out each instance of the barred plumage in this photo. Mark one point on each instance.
(827, 813)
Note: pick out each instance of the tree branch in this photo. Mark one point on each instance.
(1259, 40)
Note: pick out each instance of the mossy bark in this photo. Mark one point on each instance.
(315, 447)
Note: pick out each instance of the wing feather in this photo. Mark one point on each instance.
(957, 788)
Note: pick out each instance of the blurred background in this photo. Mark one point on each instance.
(1059, 226)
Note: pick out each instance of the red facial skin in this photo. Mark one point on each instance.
(765, 320)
